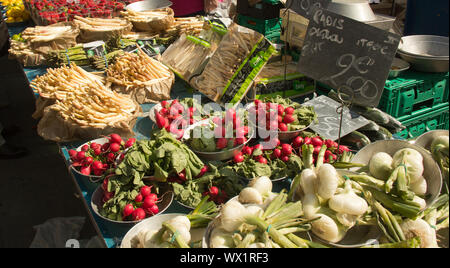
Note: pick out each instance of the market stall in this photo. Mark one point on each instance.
(204, 132)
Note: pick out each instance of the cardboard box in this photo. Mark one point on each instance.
(295, 27)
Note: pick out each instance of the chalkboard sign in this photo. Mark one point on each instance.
(341, 51)
(305, 8)
(329, 119)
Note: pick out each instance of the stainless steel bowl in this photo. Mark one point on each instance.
(432, 172)
(148, 5)
(96, 203)
(425, 53)
(359, 10)
(425, 140)
(398, 66)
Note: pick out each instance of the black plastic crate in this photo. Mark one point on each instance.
(261, 10)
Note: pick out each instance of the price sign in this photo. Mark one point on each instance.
(305, 8)
(339, 51)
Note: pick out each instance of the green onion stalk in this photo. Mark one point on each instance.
(410, 243)
(205, 212)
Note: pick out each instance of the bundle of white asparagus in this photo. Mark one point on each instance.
(186, 55)
(234, 48)
(141, 77)
(93, 29)
(83, 108)
(40, 40)
(150, 21)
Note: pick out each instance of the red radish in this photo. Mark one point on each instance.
(273, 125)
(148, 202)
(231, 114)
(94, 145)
(138, 198)
(316, 141)
(146, 191)
(164, 112)
(98, 172)
(115, 138)
(289, 110)
(317, 149)
(334, 157)
(276, 153)
(130, 142)
(307, 140)
(138, 214)
(182, 176)
(240, 132)
(114, 147)
(297, 142)
(97, 165)
(153, 210)
(343, 148)
(98, 151)
(262, 160)
(328, 154)
(280, 119)
(283, 127)
(175, 101)
(257, 103)
(258, 146)
(217, 121)
(105, 166)
(246, 130)
(85, 148)
(238, 158)
(280, 109)
(221, 143)
(288, 118)
(272, 115)
(160, 120)
(203, 171)
(81, 155)
(286, 149)
(128, 210)
(285, 158)
(180, 134)
(73, 154)
(111, 157)
(152, 196)
(164, 104)
(329, 143)
(247, 150)
(237, 123)
(240, 141)
(86, 170)
(88, 161)
(191, 121)
(213, 191)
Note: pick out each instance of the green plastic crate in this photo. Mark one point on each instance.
(425, 120)
(273, 2)
(274, 37)
(266, 27)
(413, 91)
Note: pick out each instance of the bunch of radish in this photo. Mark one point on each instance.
(332, 147)
(274, 146)
(273, 116)
(95, 159)
(144, 204)
(229, 130)
(174, 117)
(217, 195)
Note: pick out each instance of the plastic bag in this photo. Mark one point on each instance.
(219, 8)
(54, 233)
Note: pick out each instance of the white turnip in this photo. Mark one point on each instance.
(348, 202)
(413, 160)
(250, 195)
(328, 181)
(420, 228)
(380, 165)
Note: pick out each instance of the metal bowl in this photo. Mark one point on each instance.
(155, 223)
(92, 178)
(359, 10)
(432, 172)
(148, 5)
(166, 194)
(398, 67)
(425, 53)
(425, 140)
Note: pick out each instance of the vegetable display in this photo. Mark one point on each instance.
(278, 114)
(217, 181)
(94, 29)
(15, 11)
(96, 159)
(439, 149)
(271, 222)
(152, 20)
(141, 77)
(81, 107)
(220, 133)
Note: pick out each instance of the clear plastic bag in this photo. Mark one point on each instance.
(219, 8)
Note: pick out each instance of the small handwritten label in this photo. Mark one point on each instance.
(306, 8)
